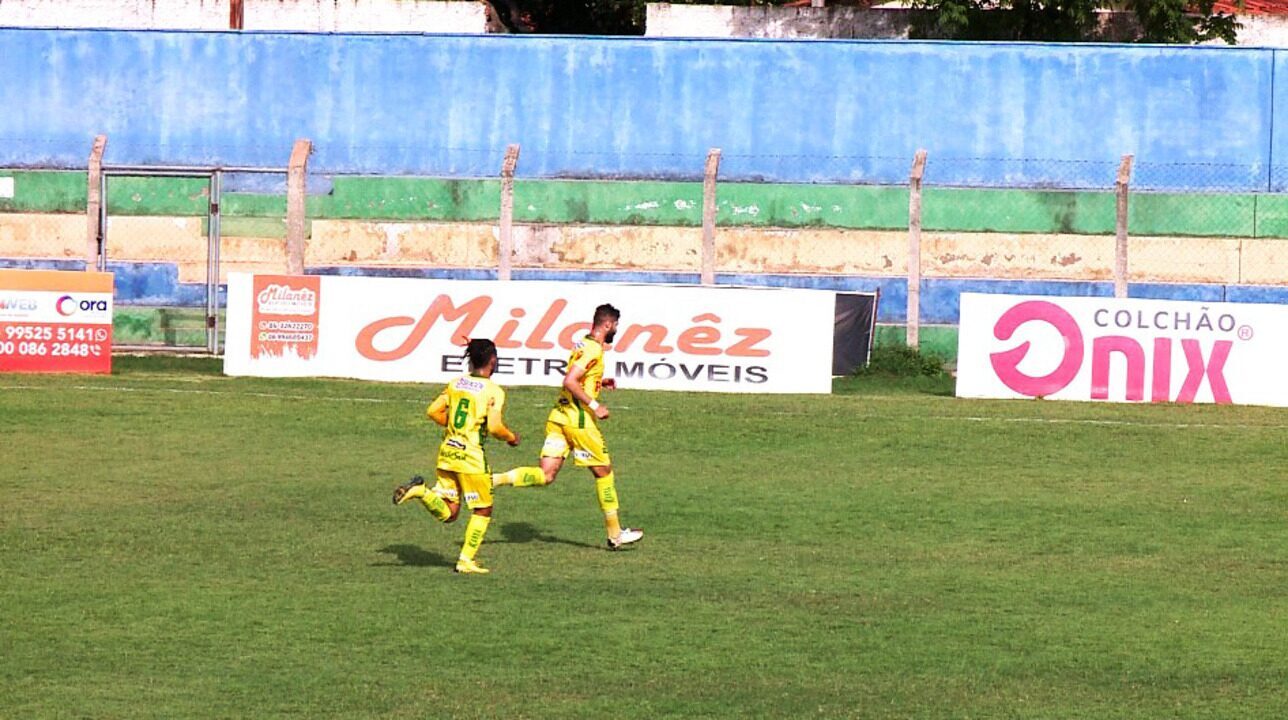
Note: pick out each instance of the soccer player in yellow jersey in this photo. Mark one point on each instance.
(470, 408)
(573, 425)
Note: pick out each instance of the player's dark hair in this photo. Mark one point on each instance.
(480, 351)
(606, 312)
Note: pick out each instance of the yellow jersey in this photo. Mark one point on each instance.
(588, 355)
(470, 408)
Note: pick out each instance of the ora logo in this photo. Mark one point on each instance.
(68, 306)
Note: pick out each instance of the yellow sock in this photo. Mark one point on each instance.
(474, 533)
(606, 492)
(528, 476)
(436, 506)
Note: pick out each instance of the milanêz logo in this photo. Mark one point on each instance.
(704, 337)
(1101, 348)
(286, 300)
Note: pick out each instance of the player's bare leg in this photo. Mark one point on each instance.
(550, 466)
(606, 493)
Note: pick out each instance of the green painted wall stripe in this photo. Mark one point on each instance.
(45, 191)
(680, 203)
(256, 227)
(937, 340)
(636, 203)
(838, 206)
(410, 199)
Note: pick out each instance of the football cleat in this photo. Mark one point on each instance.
(403, 492)
(628, 536)
(469, 567)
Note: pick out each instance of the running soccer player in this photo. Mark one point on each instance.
(470, 408)
(573, 425)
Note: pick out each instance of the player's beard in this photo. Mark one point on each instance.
(608, 338)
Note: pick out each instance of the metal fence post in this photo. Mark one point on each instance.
(505, 245)
(1120, 253)
(93, 206)
(709, 216)
(296, 178)
(914, 249)
(214, 238)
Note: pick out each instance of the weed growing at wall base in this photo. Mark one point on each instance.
(180, 544)
(901, 361)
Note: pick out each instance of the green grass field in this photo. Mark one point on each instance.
(178, 544)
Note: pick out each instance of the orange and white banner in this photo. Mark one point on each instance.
(55, 321)
(284, 316)
(411, 330)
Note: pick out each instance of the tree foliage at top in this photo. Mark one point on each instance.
(1152, 21)
(590, 17)
(571, 17)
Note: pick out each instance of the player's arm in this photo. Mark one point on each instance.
(438, 409)
(572, 383)
(496, 426)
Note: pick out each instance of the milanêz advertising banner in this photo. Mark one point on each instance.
(54, 321)
(414, 330)
(1122, 350)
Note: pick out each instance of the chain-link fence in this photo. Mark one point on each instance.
(1044, 226)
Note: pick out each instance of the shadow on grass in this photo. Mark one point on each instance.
(522, 532)
(410, 555)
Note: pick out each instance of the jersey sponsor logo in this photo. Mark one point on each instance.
(469, 384)
(454, 443)
(447, 493)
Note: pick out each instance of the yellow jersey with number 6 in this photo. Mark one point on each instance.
(588, 355)
(470, 408)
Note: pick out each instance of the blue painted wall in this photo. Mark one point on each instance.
(792, 111)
